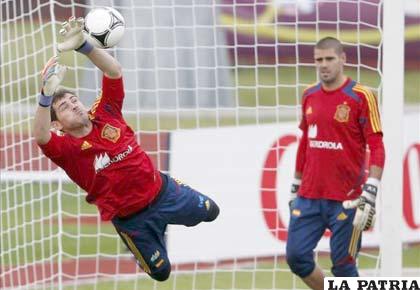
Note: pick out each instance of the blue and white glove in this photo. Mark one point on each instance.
(293, 191)
(366, 213)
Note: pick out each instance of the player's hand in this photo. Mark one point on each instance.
(366, 213)
(293, 191)
(52, 75)
(72, 32)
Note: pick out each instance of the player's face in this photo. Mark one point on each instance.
(329, 64)
(71, 113)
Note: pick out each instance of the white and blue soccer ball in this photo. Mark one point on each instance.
(104, 26)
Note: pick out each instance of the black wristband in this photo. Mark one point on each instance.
(372, 189)
(295, 188)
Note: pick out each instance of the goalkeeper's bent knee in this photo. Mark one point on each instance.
(162, 274)
(301, 264)
(213, 211)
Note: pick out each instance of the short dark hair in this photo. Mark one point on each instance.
(330, 42)
(58, 95)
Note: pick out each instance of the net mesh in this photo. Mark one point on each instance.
(189, 66)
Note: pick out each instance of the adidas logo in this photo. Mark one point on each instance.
(342, 216)
(85, 145)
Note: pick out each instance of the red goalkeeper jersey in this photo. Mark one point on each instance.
(336, 126)
(108, 164)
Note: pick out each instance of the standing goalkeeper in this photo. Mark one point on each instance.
(340, 119)
(99, 152)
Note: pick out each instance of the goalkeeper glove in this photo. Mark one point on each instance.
(74, 38)
(52, 75)
(365, 214)
(294, 190)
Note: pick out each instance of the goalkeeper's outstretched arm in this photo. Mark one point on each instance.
(105, 62)
(74, 39)
(52, 75)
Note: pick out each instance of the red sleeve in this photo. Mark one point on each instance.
(369, 116)
(110, 101)
(301, 153)
(371, 126)
(377, 150)
(56, 148)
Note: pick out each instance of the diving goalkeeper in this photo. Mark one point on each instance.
(99, 152)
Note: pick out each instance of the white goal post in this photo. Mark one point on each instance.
(392, 111)
(213, 92)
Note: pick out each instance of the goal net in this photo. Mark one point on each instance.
(213, 91)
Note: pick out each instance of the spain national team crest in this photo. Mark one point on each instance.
(111, 133)
(343, 112)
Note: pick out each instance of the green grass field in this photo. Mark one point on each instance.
(29, 212)
(263, 276)
(259, 276)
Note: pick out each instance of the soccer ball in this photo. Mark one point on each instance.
(104, 27)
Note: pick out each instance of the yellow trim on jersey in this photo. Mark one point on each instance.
(96, 104)
(373, 107)
(136, 253)
(354, 242)
(375, 110)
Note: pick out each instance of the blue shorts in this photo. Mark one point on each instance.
(143, 232)
(308, 221)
